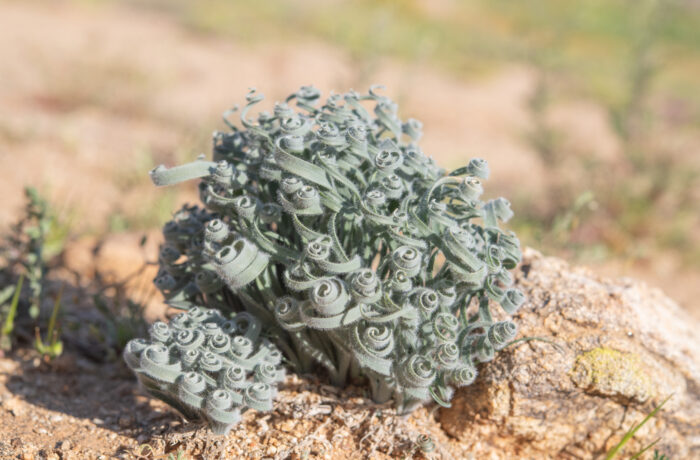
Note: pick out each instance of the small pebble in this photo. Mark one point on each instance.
(63, 445)
(14, 406)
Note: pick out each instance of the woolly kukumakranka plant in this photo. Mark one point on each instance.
(355, 251)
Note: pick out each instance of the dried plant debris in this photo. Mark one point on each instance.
(207, 367)
(355, 251)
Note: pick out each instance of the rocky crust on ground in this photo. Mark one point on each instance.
(614, 350)
(619, 349)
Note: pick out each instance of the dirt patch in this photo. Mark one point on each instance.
(76, 409)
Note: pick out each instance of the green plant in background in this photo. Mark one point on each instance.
(121, 322)
(651, 182)
(207, 367)
(100, 333)
(602, 52)
(9, 322)
(29, 248)
(355, 250)
(53, 347)
(28, 239)
(631, 116)
(32, 249)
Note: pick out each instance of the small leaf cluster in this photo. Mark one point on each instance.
(354, 249)
(208, 367)
(30, 248)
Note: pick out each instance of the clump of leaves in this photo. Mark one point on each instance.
(31, 243)
(353, 248)
(28, 249)
(207, 367)
(121, 321)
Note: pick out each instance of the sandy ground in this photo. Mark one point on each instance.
(73, 409)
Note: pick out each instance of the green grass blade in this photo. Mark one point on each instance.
(39, 342)
(10, 320)
(52, 333)
(633, 430)
(639, 454)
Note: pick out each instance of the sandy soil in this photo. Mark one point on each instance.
(74, 409)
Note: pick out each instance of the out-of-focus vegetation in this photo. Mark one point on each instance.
(26, 253)
(33, 279)
(639, 61)
(589, 42)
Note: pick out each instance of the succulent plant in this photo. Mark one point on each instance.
(208, 367)
(356, 252)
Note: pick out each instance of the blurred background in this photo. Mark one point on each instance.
(588, 112)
